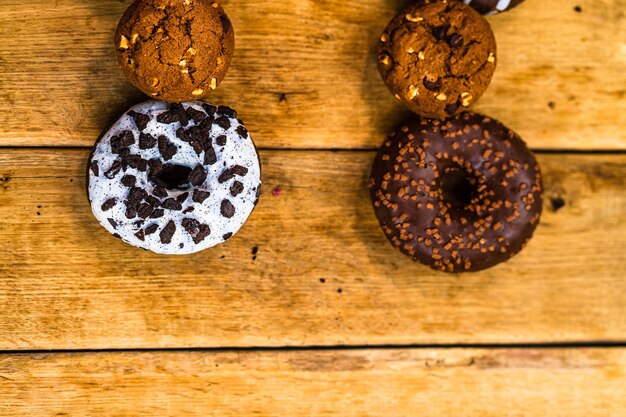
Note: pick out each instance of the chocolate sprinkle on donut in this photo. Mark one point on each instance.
(153, 201)
(146, 141)
(221, 140)
(94, 168)
(159, 192)
(151, 229)
(129, 180)
(197, 231)
(109, 204)
(197, 176)
(141, 120)
(123, 153)
(232, 172)
(144, 210)
(199, 196)
(191, 225)
(157, 214)
(166, 149)
(196, 115)
(168, 232)
(130, 212)
(136, 162)
(209, 108)
(203, 232)
(243, 132)
(236, 188)
(182, 135)
(223, 122)
(462, 194)
(115, 168)
(119, 143)
(175, 114)
(172, 204)
(141, 235)
(136, 194)
(228, 112)
(182, 197)
(210, 157)
(227, 209)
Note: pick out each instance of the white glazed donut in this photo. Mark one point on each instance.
(174, 178)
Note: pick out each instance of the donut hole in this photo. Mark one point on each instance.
(457, 188)
(173, 177)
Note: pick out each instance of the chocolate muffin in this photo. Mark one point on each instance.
(437, 58)
(175, 51)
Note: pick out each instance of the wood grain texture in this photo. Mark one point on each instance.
(304, 73)
(323, 273)
(369, 383)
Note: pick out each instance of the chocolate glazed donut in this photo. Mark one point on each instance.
(462, 194)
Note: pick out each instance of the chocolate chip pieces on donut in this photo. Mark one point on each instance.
(174, 179)
(492, 6)
(458, 195)
(175, 50)
(437, 57)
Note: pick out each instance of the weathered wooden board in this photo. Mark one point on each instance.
(323, 273)
(369, 383)
(304, 74)
(311, 268)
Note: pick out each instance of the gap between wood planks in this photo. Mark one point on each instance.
(361, 150)
(500, 346)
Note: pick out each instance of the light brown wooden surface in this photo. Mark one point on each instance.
(304, 77)
(67, 283)
(304, 73)
(368, 383)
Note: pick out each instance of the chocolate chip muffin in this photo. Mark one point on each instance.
(175, 50)
(437, 57)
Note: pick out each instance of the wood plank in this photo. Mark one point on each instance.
(304, 74)
(370, 383)
(324, 274)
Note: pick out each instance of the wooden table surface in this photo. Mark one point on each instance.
(308, 311)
